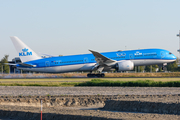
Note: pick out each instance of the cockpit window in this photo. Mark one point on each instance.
(170, 53)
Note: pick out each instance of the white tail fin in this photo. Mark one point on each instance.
(25, 53)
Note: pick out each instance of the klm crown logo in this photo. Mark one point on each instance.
(25, 52)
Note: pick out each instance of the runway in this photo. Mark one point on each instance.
(42, 91)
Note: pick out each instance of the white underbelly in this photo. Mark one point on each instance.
(150, 62)
(61, 69)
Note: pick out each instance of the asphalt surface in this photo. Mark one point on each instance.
(27, 90)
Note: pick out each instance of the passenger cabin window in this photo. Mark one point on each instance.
(72, 61)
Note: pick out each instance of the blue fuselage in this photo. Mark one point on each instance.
(84, 62)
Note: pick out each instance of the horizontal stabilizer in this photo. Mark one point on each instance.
(10, 64)
(27, 65)
(22, 64)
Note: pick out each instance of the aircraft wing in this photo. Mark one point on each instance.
(101, 59)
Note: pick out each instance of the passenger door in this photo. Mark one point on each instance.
(162, 54)
(47, 63)
(131, 57)
(86, 60)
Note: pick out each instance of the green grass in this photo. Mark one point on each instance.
(45, 84)
(48, 95)
(100, 82)
(83, 79)
(138, 83)
(46, 80)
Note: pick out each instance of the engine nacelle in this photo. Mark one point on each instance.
(124, 66)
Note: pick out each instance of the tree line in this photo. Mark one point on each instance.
(4, 68)
(173, 67)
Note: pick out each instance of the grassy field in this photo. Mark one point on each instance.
(45, 84)
(86, 79)
(97, 82)
(79, 75)
(159, 74)
(46, 80)
(138, 83)
(67, 82)
(78, 79)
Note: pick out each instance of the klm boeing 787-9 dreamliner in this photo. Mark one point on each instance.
(100, 62)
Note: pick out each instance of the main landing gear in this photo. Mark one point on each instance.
(95, 75)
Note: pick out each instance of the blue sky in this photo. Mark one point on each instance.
(60, 27)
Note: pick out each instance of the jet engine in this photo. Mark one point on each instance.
(124, 66)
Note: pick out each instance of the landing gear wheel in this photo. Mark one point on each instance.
(89, 75)
(102, 75)
(98, 75)
(95, 75)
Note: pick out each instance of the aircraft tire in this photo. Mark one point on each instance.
(98, 75)
(95, 75)
(102, 75)
(89, 75)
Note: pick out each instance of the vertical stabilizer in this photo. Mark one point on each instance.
(25, 53)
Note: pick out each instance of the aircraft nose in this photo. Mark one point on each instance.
(174, 57)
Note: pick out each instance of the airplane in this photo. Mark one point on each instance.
(95, 63)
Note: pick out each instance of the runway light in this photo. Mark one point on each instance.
(41, 109)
